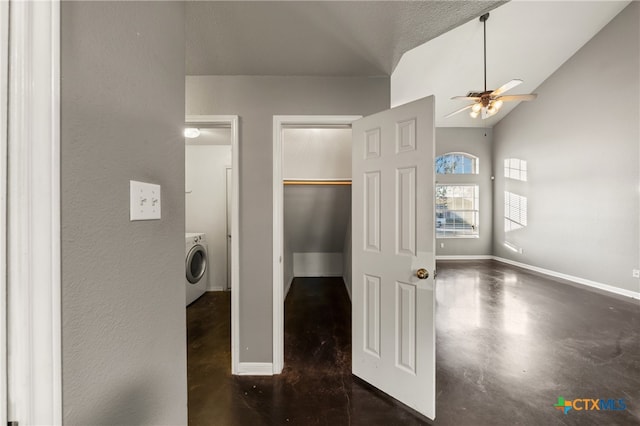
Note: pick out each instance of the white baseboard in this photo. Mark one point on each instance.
(255, 369)
(578, 280)
(318, 264)
(466, 257)
(216, 289)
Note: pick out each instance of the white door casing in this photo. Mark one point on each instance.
(279, 122)
(393, 324)
(4, 88)
(229, 186)
(34, 366)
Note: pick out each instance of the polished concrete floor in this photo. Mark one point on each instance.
(509, 343)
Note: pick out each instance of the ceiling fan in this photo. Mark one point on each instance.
(489, 102)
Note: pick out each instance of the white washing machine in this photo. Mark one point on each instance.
(196, 265)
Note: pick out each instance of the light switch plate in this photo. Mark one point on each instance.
(144, 201)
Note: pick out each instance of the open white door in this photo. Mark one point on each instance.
(393, 239)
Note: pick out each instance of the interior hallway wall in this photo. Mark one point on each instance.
(477, 142)
(256, 99)
(582, 156)
(122, 114)
(206, 204)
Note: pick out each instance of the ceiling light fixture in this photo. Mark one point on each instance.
(191, 132)
(489, 102)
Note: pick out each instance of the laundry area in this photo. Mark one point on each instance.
(316, 171)
(208, 153)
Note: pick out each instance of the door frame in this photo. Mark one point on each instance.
(233, 122)
(229, 216)
(31, 253)
(4, 86)
(279, 123)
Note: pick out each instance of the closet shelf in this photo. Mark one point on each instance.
(317, 182)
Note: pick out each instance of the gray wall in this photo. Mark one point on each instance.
(123, 314)
(256, 100)
(580, 138)
(315, 224)
(476, 142)
(316, 216)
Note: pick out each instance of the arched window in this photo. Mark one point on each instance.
(457, 163)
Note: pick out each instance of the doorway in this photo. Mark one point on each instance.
(393, 250)
(280, 126)
(224, 129)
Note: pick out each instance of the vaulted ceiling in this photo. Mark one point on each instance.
(527, 40)
(442, 40)
(327, 38)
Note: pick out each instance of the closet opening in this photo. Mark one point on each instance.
(312, 215)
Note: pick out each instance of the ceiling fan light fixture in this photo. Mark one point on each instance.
(489, 102)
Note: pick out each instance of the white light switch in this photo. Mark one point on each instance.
(144, 201)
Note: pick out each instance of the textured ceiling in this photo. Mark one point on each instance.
(329, 38)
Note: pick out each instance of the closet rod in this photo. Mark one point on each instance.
(317, 182)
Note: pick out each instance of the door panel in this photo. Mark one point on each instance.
(372, 315)
(372, 211)
(393, 216)
(406, 215)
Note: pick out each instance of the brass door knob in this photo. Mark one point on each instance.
(422, 273)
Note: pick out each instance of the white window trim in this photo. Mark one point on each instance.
(34, 370)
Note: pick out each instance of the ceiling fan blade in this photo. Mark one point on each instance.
(459, 110)
(467, 98)
(508, 98)
(508, 86)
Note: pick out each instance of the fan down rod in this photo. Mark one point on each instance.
(483, 19)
